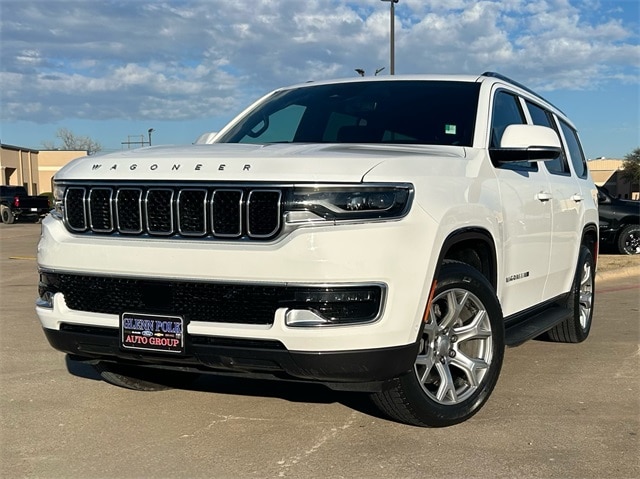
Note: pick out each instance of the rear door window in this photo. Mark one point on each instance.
(575, 150)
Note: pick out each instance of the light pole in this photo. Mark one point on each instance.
(150, 130)
(392, 59)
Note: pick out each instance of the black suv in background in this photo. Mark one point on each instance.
(619, 223)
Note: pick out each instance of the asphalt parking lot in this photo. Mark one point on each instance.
(558, 411)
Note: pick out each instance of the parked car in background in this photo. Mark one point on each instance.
(619, 223)
(15, 203)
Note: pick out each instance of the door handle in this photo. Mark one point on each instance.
(543, 196)
(577, 198)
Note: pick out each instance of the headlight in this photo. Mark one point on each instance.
(351, 202)
(58, 199)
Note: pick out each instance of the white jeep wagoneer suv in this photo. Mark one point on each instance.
(388, 235)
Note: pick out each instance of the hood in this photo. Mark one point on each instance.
(241, 162)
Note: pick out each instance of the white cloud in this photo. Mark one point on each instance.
(187, 59)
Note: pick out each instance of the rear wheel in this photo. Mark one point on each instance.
(459, 357)
(629, 240)
(7, 216)
(143, 378)
(580, 301)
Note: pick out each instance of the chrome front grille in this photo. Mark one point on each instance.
(216, 212)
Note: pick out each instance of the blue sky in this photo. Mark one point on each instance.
(111, 69)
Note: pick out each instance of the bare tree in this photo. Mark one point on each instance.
(71, 141)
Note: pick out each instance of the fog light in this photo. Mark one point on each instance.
(45, 300)
(334, 306)
(332, 296)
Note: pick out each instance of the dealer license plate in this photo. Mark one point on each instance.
(150, 332)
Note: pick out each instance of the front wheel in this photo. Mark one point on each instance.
(629, 240)
(459, 357)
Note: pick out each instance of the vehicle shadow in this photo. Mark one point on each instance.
(292, 391)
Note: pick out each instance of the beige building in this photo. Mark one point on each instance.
(30, 168)
(607, 172)
(50, 161)
(19, 167)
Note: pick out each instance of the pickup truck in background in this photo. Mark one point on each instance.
(619, 223)
(15, 203)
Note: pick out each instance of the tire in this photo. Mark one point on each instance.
(580, 301)
(143, 378)
(629, 240)
(459, 357)
(7, 216)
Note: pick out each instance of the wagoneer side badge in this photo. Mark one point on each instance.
(515, 277)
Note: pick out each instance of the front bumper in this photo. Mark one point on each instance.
(395, 254)
(392, 254)
(363, 370)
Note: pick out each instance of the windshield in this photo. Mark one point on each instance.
(408, 112)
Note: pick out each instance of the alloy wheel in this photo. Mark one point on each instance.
(456, 347)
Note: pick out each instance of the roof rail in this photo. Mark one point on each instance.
(505, 78)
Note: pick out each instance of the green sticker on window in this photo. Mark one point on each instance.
(450, 129)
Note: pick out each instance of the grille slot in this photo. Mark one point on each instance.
(129, 210)
(188, 211)
(226, 211)
(263, 212)
(100, 214)
(159, 208)
(75, 213)
(192, 217)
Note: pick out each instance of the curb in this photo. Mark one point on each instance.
(632, 272)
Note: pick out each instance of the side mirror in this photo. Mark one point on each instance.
(602, 197)
(527, 143)
(206, 138)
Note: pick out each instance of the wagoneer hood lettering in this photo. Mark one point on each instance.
(235, 162)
